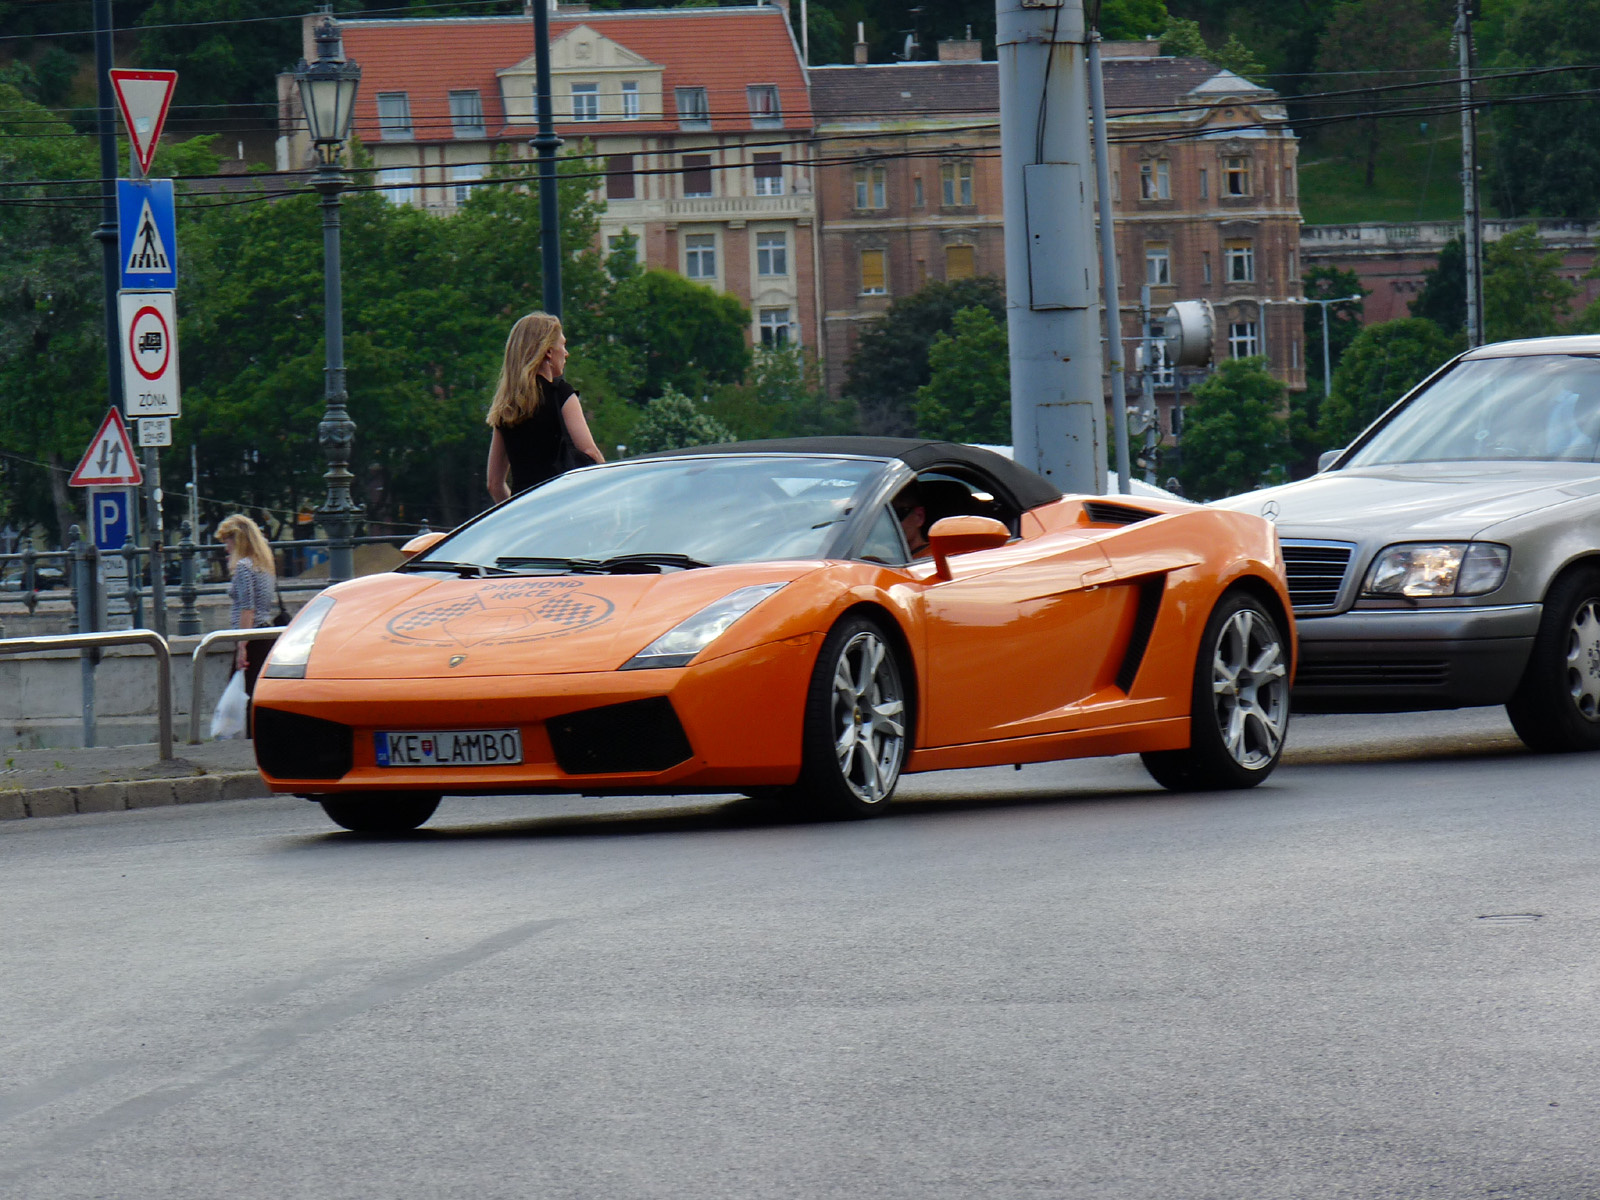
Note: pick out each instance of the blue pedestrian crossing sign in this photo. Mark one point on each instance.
(147, 234)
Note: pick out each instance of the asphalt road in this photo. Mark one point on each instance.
(1373, 977)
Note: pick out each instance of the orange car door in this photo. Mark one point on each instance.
(1016, 634)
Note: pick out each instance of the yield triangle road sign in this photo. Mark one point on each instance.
(143, 97)
(109, 460)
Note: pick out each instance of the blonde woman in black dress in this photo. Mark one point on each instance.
(536, 414)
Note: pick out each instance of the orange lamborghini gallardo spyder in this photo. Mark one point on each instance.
(806, 620)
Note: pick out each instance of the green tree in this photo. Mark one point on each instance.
(781, 396)
(218, 60)
(1233, 436)
(1546, 159)
(1182, 39)
(672, 421)
(1344, 320)
(1383, 363)
(1132, 20)
(968, 394)
(685, 335)
(891, 357)
(1523, 293)
(1443, 298)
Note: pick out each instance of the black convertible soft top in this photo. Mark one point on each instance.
(1029, 490)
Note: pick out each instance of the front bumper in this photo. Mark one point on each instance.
(741, 714)
(1400, 660)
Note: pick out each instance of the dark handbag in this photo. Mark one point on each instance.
(281, 617)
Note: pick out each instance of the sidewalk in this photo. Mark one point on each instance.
(54, 783)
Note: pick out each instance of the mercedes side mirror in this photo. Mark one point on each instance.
(1328, 457)
(962, 535)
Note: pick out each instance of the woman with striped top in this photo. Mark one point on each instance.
(254, 580)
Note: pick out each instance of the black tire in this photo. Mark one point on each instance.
(380, 812)
(1556, 707)
(846, 783)
(1235, 736)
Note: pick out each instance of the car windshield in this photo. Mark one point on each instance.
(1543, 407)
(698, 511)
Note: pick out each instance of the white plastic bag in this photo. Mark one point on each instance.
(228, 720)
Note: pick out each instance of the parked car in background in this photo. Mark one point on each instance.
(1450, 555)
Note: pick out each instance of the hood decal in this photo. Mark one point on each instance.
(502, 614)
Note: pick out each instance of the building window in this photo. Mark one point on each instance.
(772, 254)
(960, 262)
(1237, 173)
(693, 110)
(765, 112)
(1205, 183)
(1155, 179)
(916, 190)
(769, 174)
(1288, 181)
(586, 102)
(700, 256)
(466, 114)
(394, 116)
(774, 326)
(1294, 264)
(956, 179)
(1205, 265)
(1241, 257)
(696, 175)
(874, 278)
(1157, 264)
(464, 178)
(870, 187)
(1242, 341)
(619, 177)
(397, 184)
(630, 101)
(1294, 354)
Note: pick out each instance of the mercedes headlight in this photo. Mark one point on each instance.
(680, 644)
(293, 647)
(1441, 569)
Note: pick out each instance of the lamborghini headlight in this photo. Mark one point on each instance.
(681, 643)
(1438, 569)
(293, 647)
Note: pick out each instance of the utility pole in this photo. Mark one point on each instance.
(1152, 414)
(1472, 233)
(1057, 407)
(546, 143)
(106, 234)
(1109, 283)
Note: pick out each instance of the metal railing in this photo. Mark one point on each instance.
(197, 666)
(124, 637)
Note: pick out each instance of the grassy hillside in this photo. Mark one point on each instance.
(1406, 187)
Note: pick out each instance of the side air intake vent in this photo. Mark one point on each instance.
(1101, 512)
(640, 735)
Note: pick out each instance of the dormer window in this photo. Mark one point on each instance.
(765, 112)
(466, 114)
(694, 112)
(394, 116)
(585, 102)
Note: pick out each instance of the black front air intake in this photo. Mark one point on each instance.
(292, 746)
(640, 735)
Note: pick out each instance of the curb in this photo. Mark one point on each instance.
(138, 793)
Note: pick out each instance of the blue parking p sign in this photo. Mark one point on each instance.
(147, 234)
(109, 515)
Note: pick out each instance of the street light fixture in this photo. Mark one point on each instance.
(328, 95)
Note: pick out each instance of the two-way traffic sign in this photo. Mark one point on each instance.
(149, 353)
(109, 460)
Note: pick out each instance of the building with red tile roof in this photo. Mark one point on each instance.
(701, 117)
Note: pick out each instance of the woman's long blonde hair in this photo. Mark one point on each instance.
(516, 396)
(248, 542)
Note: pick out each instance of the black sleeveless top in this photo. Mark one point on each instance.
(533, 444)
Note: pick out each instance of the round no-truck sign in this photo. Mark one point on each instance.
(149, 353)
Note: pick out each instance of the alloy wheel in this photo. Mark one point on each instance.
(1250, 680)
(1583, 659)
(868, 717)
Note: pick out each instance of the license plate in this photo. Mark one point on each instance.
(452, 748)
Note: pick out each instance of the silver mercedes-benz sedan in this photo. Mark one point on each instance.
(1450, 555)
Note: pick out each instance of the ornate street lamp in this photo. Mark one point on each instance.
(328, 96)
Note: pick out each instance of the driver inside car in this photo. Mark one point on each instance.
(913, 517)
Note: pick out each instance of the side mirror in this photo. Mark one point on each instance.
(1328, 457)
(962, 535)
(423, 541)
